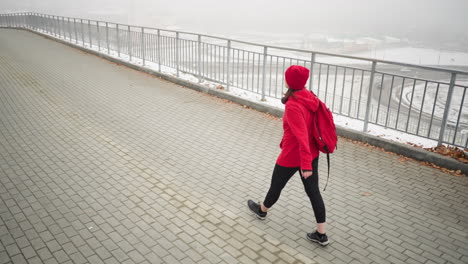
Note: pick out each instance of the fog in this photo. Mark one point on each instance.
(431, 22)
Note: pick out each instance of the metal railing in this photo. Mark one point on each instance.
(419, 100)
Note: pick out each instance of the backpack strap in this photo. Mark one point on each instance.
(328, 163)
(328, 177)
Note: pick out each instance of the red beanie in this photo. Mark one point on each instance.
(296, 77)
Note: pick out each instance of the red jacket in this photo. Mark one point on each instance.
(297, 147)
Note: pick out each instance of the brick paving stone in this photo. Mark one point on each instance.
(94, 169)
(95, 259)
(19, 259)
(78, 258)
(4, 258)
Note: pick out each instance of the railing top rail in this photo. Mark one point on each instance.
(432, 68)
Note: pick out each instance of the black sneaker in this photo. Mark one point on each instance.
(318, 238)
(255, 208)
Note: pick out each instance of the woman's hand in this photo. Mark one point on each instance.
(306, 173)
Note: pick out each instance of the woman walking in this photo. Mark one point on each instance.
(298, 151)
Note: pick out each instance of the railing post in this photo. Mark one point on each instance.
(369, 96)
(311, 77)
(89, 34)
(265, 51)
(159, 49)
(98, 36)
(228, 66)
(453, 78)
(47, 24)
(69, 29)
(118, 39)
(129, 43)
(199, 59)
(76, 31)
(107, 37)
(82, 31)
(64, 28)
(177, 53)
(59, 27)
(50, 25)
(34, 21)
(54, 23)
(143, 44)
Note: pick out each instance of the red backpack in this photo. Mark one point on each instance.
(325, 132)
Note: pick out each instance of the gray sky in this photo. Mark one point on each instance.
(439, 20)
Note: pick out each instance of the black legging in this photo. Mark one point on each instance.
(281, 176)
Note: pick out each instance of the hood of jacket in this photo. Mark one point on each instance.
(304, 98)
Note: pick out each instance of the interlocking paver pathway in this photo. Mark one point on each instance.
(103, 164)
